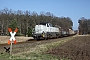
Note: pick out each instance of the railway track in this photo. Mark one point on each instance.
(31, 41)
(27, 45)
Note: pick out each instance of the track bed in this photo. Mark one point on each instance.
(27, 45)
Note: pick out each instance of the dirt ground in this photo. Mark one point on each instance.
(76, 49)
(4, 39)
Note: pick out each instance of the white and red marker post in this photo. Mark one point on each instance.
(12, 38)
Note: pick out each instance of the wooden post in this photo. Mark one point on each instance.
(11, 48)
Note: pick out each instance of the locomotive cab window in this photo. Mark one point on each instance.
(50, 25)
(47, 25)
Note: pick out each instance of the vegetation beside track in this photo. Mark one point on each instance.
(39, 51)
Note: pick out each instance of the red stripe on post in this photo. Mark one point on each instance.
(15, 42)
(16, 30)
(9, 42)
(9, 29)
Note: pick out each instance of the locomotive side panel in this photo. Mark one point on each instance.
(46, 31)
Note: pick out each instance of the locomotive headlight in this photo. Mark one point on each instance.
(32, 33)
(35, 34)
(43, 34)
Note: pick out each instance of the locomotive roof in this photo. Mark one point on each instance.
(44, 23)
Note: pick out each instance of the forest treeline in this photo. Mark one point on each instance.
(26, 20)
(84, 26)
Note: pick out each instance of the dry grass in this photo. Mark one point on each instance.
(4, 39)
(38, 52)
(44, 47)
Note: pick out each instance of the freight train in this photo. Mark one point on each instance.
(46, 30)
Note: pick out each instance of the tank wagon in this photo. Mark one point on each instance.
(46, 30)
